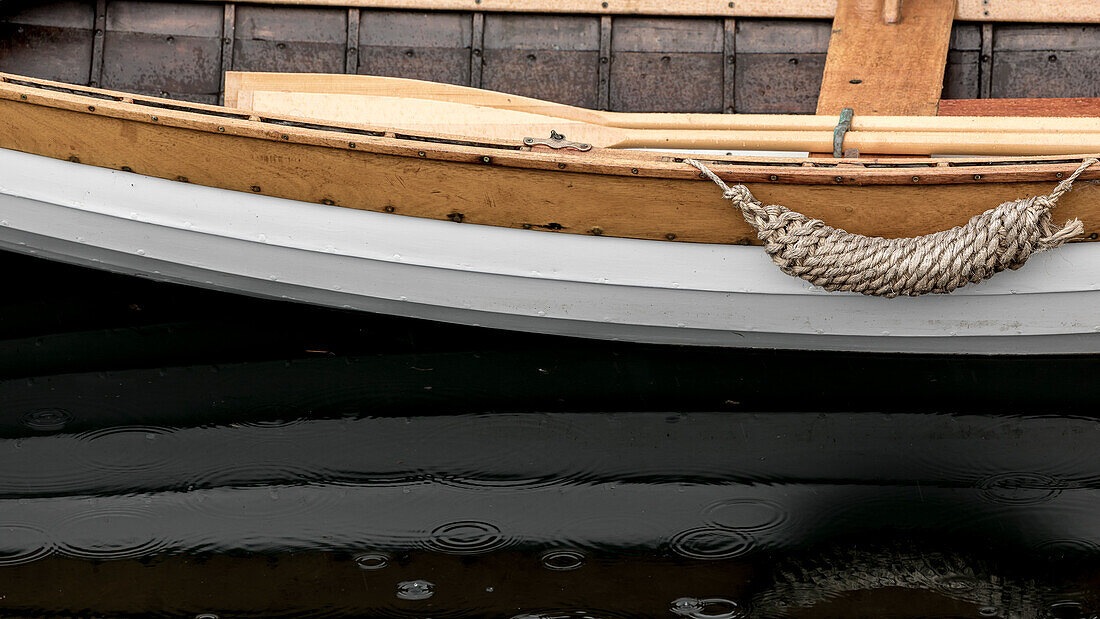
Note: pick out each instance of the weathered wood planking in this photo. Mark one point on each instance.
(179, 43)
(666, 65)
(778, 63)
(551, 57)
(1060, 11)
(280, 39)
(419, 45)
(887, 69)
(52, 41)
(1034, 61)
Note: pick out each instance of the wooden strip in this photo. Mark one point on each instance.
(351, 58)
(985, 66)
(1041, 11)
(477, 50)
(229, 30)
(879, 69)
(603, 95)
(729, 64)
(1071, 107)
(96, 73)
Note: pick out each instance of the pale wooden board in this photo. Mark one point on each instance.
(887, 69)
(1046, 11)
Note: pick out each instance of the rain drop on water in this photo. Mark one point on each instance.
(372, 561)
(415, 590)
(707, 608)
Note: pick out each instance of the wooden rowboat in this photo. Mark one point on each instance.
(600, 243)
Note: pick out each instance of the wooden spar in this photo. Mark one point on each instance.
(1045, 11)
(886, 69)
(489, 124)
(353, 92)
(613, 193)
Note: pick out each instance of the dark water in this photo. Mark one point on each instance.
(172, 452)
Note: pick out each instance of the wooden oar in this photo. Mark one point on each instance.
(422, 116)
(241, 86)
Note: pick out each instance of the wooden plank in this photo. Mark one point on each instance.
(985, 76)
(586, 193)
(667, 64)
(1065, 107)
(779, 65)
(49, 40)
(879, 69)
(1046, 11)
(290, 39)
(416, 44)
(550, 57)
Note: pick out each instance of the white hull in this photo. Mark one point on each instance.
(595, 287)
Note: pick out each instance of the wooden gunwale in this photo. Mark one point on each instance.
(615, 193)
(210, 118)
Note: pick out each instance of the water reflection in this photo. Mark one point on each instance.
(197, 458)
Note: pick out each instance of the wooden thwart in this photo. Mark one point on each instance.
(887, 69)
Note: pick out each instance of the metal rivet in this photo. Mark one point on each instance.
(916, 179)
(773, 178)
(127, 168)
(91, 108)
(222, 129)
(388, 209)
(604, 5)
(74, 159)
(486, 159)
(286, 137)
(792, 61)
(561, 166)
(977, 177)
(1052, 58)
(351, 144)
(525, 226)
(670, 236)
(1058, 175)
(1093, 236)
(255, 188)
(839, 179)
(633, 170)
(421, 154)
(23, 97)
(155, 119)
(183, 179)
(596, 230)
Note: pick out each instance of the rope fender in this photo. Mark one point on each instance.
(1000, 238)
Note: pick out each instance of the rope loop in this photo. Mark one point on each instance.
(1000, 238)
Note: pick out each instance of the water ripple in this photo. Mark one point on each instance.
(708, 543)
(745, 514)
(467, 537)
(23, 543)
(118, 532)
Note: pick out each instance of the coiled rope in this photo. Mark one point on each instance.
(998, 239)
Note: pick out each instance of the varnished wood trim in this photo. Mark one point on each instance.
(1049, 11)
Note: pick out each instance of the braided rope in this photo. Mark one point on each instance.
(998, 239)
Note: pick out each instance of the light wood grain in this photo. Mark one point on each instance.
(1048, 11)
(886, 69)
(1073, 107)
(241, 87)
(626, 194)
